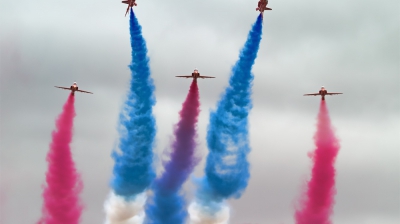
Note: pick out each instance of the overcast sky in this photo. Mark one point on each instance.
(348, 46)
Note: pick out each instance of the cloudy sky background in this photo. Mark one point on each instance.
(347, 46)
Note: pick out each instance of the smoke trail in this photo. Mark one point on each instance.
(167, 205)
(227, 168)
(133, 170)
(317, 205)
(121, 211)
(61, 195)
(217, 213)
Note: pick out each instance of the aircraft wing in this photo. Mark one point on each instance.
(333, 93)
(63, 87)
(83, 91)
(312, 94)
(206, 77)
(184, 76)
(127, 10)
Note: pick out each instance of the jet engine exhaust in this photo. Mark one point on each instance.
(133, 170)
(63, 184)
(317, 206)
(167, 204)
(227, 167)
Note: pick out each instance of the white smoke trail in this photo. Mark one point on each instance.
(211, 214)
(120, 211)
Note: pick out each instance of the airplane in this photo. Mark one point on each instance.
(195, 75)
(130, 3)
(322, 92)
(73, 88)
(262, 5)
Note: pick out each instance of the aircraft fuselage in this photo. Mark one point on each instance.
(195, 74)
(323, 92)
(73, 89)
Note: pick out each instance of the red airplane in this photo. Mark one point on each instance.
(322, 93)
(195, 75)
(262, 5)
(130, 3)
(73, 88)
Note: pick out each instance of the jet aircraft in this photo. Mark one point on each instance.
(322, 92)
(130, 3)
(262, 5)
(195, 75)
(73, 88)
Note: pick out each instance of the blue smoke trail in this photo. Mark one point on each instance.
(133, 170)
(227, 168)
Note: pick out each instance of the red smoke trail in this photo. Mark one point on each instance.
(317, 205)
(167, 204)
(61, 195)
